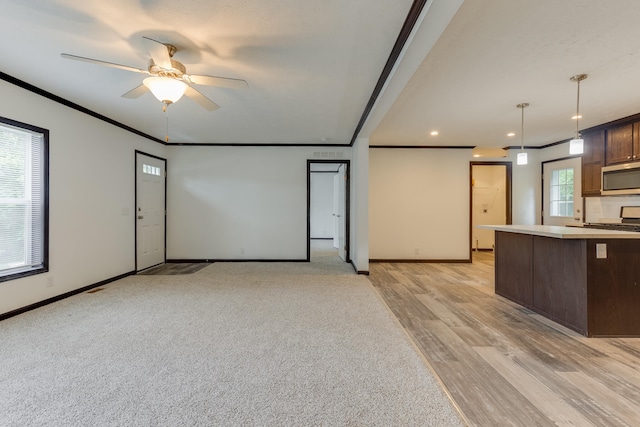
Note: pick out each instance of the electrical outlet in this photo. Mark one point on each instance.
(417, 251)
(49, 281)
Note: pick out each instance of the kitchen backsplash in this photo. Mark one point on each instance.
(598, 208)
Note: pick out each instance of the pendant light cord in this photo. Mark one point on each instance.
(522, 107)
(522, 129)
(578, 78)
(578, 112)
(166, 111)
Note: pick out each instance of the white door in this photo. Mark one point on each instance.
(336, 211)
(342, 212)
(562, 192)
(150, 211)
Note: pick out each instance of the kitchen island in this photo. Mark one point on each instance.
(585, 279)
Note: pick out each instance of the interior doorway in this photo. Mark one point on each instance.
(328, 209)
(150, 205)
(490, 190)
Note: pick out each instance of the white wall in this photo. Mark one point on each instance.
(419, 204)
(322, 219)
(91, 226)
(601, 209)
(238, 202)
(419, 199)
(526, 190)
(359, 239)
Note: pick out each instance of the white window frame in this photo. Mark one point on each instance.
(556, 200)
(40, 242)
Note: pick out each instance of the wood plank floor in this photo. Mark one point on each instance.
(502, 363)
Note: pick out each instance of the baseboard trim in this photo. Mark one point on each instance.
(196, 261)
(425, 261)
(63, 296)
(363, 272)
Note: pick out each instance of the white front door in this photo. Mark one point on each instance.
(150, 211)
(562, 192)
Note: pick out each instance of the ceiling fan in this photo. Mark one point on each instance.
(168, 79)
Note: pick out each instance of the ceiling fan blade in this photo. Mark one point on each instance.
(218, 81)
(108, 64)
(136, 92)
(204, 102)
(159, 52)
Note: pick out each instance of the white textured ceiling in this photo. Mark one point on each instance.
(495, 54)
(311, 65)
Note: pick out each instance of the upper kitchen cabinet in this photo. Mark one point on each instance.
(622, 144)
(593, 160)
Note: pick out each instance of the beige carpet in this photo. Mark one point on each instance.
(265, 344)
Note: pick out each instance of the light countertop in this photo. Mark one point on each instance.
(560, 232)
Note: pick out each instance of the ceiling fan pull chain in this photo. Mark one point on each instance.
(166, 111)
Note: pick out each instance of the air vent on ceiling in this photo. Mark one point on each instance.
(328, 154)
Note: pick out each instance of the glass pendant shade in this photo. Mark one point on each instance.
(576, 146)
(521, 159)
(166, 89)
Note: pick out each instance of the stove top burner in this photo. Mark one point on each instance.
(615, 226)
(629, 221)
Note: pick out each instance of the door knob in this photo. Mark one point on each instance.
(140, 217)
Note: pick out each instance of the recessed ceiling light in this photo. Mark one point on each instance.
(434, 132)
(576, 117)
(511, 134)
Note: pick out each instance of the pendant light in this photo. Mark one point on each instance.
(576, 145)
(521, 159)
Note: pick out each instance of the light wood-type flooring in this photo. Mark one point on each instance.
(502, 363)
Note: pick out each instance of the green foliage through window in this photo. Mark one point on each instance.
(22, 199)
(561, 193)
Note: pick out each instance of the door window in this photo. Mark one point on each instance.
(561, 193)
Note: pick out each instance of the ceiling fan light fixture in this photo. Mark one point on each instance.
(166, 89)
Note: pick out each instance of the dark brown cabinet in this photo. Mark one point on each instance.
(570, 282)
(593, 159)
(623, 144)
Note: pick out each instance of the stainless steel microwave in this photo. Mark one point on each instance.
(620, 179)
